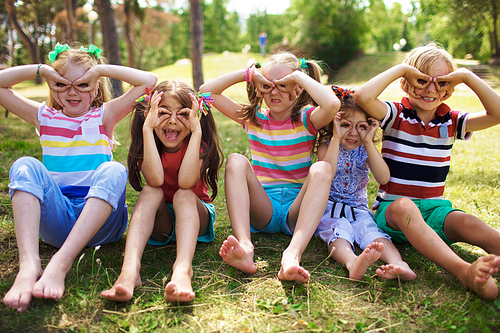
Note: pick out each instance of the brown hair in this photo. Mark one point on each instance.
(312, 69)
(212, 155)
(81, 58)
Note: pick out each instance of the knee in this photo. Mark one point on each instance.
(400, 210)
(111, 174)
(23, 166)
(183, 195)
(322, 172)
(236, 162)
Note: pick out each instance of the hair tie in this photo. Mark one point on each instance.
(205, 102)
(144, 97)
(92, 50)
(258, 64)
(303, 63)
(341, 92)
(58, 49)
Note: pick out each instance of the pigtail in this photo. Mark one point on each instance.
(136, 150)
(249, 111)
(212, 154)
(313, 69)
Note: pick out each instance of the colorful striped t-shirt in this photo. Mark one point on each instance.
(73, 148)
(281, 150)
(418, 155)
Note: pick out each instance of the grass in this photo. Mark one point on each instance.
(230, 301)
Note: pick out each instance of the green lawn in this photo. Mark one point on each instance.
(230, 301)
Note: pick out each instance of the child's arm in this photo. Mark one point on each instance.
(23, 107)
(151, 167)
(379, 168)
(328, 103)
(119, 107)
(189, 172)
(226, 105)
(367, 96)
(488, 97)
(330, 153)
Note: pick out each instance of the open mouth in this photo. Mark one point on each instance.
(73, 102)
(428, 99)
(171, 135)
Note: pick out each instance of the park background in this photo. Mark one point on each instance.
(356, 40)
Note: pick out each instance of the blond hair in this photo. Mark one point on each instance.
(424, 57)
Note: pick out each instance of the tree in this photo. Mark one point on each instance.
(328, 30)
(110, 39)
(221, 28)
(271, 24)
(196, 27)
(386, 26)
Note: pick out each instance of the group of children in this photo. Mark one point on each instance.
(76, 197)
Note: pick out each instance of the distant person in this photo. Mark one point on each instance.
(349, 147)
(176, 148)
(280, 190)
(262, 42)
(76, 198)
(419, 133)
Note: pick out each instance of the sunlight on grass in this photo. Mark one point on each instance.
(230, 301)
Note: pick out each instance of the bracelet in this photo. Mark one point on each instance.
(38, 71)
(250, 74)
(246, 75)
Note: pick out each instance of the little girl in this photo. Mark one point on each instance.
(179, 156)
(280, 191)
(76, 198)
(347, 219)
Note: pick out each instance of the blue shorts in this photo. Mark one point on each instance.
(58, 213)
(208, 237)
(434, 212)
(281, 198)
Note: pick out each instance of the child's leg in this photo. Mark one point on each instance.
(341, 251)
(458, 226)
(304, 216)
(141, 226)
(189, 224)
(404, 215)
(106, 193)
(246, 202)
(26, 209)
(396, 267)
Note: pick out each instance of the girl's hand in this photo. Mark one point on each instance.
(88, 81)
(367, 130)
(155, 117)
(54, 80)
(416, 80)
(262, 85)
(340, 126)
(190, 117)
(288, 85)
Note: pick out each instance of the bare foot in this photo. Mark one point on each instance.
(393, 271)
(179, 289)
(123, 289)
(19, 295)
(357, 267)
(291, 270)
(51, 284)
(239, 255)
(478, 277)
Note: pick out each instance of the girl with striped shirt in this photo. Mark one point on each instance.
(76, 197)
(281, 190)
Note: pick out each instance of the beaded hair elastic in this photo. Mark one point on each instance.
(341, 92)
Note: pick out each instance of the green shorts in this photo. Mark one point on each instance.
(434, 212)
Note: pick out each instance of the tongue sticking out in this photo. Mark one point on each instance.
(169, 135)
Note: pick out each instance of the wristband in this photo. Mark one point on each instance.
(38, 71)
(246, 74)
(250, 74)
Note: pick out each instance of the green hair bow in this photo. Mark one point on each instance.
(93, 50)
(58, 49)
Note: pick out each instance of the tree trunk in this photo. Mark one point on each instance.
(129, 37)
(196, 26)
(70, 21)
(110, 39)
(26, 39)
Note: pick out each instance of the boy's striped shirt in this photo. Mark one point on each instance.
(418, 155)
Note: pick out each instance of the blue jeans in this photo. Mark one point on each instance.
(58, 213)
